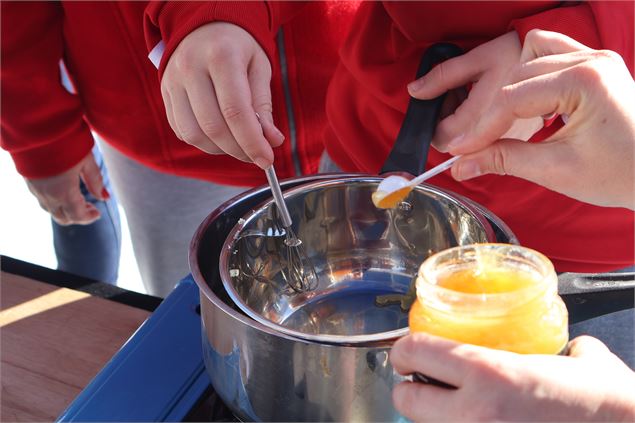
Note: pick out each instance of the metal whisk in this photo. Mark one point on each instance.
(299, 271)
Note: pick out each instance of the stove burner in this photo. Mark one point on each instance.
(210, 408)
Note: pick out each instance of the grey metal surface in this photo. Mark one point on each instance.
(578, 283)
(267, 377)
(358, 250)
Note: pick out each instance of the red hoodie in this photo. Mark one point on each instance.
(367, 100)
(105, 47)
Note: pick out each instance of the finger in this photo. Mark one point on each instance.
(91, 175)
(550, 163)
(419, 402)
(59, 216)
(260, 83)
(187, 126)
(169, 112)
(543, 43)
(234, 99)
(592, 348)
(439, 358)
(524, 129)
(91, 214)
(63, 218)
(202, 98)
(556, 92)
(77, 210)
(587, 346)
(549, 64)
(446, 75)
(464, 117)
(534, 97)
(452, 101)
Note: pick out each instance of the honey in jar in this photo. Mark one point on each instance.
(494, 295)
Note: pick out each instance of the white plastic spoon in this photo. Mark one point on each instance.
(394, 189)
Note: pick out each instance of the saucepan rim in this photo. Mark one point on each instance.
(379, 337)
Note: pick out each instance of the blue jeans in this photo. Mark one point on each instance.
(92, 251)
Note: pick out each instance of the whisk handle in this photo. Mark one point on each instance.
(277, 196)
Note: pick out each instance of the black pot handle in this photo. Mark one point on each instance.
(410, 152)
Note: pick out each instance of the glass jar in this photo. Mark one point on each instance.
(494, 295)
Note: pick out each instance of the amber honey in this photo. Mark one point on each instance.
(390, 201)
(494, 295)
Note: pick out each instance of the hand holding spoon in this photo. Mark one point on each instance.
(394, 189)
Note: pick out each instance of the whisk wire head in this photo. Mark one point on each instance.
(299, 272)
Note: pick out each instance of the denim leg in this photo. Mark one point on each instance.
(92, 251)
(614, 329)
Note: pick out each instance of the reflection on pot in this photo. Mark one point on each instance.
(359, 252)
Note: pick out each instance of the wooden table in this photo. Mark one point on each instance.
(53, 341)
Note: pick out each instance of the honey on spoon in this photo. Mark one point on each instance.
(393, 189)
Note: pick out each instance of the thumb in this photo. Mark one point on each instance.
(540, 163)
(540, 43)
(587, 346)
(590, 348)
(91, 175)
(260, 84)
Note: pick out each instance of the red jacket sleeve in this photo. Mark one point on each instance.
(42, 124)
(596, 24)
(171, 21)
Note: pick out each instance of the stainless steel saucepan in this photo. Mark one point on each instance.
(266, 375)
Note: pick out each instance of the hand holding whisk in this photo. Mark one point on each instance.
(299, 271)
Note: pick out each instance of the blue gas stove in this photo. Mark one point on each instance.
(159, 375)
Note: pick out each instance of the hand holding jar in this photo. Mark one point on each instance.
(502, 325)
(589, 384)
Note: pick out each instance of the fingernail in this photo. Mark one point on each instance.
(415, 86)
(105, 195)
(279, 133)
(93, 214)
(549, 116)
(456, 142)
(468, 170)
(439, 148)
(262, 163)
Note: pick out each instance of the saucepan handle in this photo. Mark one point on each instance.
(410, 151)
(427, 380)
(583, 283)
